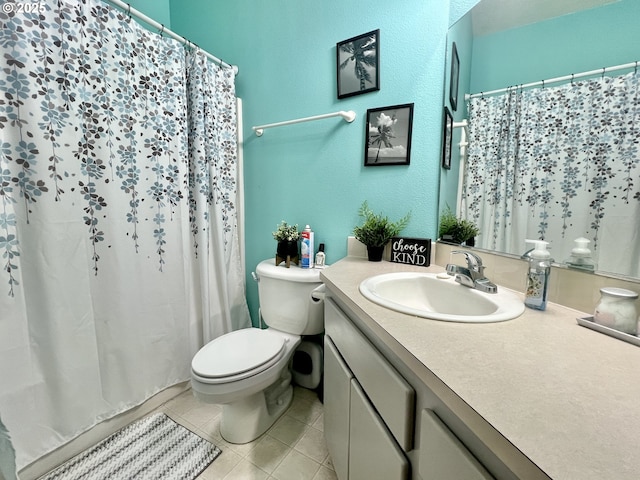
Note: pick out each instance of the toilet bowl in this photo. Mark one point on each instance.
(236, 369)
(248, 371)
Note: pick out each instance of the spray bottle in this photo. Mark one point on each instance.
(538, 275)
(306, 248)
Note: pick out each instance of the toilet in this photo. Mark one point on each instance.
(248, 371)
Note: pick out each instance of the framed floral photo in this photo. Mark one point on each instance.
(388, 135)
(447, 139)
(358, 61)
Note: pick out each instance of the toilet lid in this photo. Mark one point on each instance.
(246, 350)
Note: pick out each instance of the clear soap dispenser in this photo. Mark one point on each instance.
(581, 256)
(538, 275)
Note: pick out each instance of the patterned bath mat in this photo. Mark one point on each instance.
(155, 447)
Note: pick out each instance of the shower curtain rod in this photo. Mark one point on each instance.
(349, 117)
(573, 76)
(163, 30)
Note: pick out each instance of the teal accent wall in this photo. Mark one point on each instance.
(460, 33)
(583, 41)
(313, 172)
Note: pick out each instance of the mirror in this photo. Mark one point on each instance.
(528, 41)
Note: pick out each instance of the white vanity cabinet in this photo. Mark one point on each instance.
(383, 421)
(368, 407)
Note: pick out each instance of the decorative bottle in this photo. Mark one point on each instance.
(538, 275)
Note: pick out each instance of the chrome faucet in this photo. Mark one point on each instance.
(473, 275)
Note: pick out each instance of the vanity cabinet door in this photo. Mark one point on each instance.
(391, 395)
(337, 398)
(442, 455)
(373, 452)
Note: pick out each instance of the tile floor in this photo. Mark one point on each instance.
(292, 449)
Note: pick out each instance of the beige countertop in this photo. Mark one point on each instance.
(564, 395)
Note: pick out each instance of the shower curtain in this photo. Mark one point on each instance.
(558, 163)
(118, 217)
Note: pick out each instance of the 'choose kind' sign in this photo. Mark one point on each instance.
(412, 251)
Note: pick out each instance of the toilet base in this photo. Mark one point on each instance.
(246, 419)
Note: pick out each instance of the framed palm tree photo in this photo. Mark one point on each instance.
(358, 61)
(388, 135)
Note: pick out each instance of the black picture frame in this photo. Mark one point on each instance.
(453, 80)
(447, 139)
(388, 135)
(358, 64)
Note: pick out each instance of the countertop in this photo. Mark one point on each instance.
(566, 396)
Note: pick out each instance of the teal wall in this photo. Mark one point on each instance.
(313, 172)
(460, 33)
(579, 42)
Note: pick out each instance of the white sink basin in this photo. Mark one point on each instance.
(426, 295)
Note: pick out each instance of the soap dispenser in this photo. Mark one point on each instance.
(538, 275)
(581, 256)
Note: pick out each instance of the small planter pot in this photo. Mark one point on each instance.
(375, 253)
(287, 251)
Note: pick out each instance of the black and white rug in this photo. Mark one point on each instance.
(155, 447)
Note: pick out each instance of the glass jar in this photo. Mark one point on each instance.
(617, 309)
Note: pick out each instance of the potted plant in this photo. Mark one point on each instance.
(287, 237)
(377, 230)
(456, 230)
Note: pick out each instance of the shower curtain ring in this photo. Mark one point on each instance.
(129, 10)
(635, 70)
(603, 70)
(542, 83)
(572, 79)
(162, 29)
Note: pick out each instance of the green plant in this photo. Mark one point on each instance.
(454, 229)
(286, 232)
(468, 230)
(377, 229)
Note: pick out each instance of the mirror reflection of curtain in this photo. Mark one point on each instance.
(558, 163)
(118, 217)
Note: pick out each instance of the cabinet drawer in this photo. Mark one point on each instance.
(391, 395)
(442, 455)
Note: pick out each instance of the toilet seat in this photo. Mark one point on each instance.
(238, 355)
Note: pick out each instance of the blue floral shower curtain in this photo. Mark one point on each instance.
(558, 163)
(118, 218)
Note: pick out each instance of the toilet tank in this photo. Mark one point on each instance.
(286, 303)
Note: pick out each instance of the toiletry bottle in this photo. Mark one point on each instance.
(320, 257)
(538, 275)
(581, 256)
(306, 248)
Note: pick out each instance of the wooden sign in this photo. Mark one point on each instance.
(412, 251)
